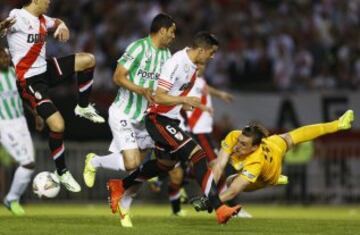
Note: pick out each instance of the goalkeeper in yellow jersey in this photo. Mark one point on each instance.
(253, 159)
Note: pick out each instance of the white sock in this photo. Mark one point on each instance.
(126, 202)
(19, 183)
(113, 161)
(128, 197)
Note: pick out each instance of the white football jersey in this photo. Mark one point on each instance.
(177, 76)
(199, 121)
(27, 42)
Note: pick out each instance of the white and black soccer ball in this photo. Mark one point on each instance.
(46, 184)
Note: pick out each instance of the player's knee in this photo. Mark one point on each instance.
(195, 150)
(176, 177)
(84, 61)
(57, 126)
(131, 164)
(30, 166)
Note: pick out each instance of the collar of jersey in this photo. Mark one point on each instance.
(187, 57)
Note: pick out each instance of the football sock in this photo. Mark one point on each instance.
(205, 178)
(126, 201)
(56, 144)
(85, 82)
(128, 197)
(113, 161)
(148, 170)
(311, 132)
(174, 196)
(19, 183)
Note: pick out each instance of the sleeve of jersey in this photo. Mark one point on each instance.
(132, 55)
(49, 22)
(251, 170)
(168, 75)
(229, 142)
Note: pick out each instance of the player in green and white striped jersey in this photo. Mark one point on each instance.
(14, 134)
(136, 74)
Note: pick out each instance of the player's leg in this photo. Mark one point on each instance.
(127, 199)
(176, 177)
(125, 154)
(310, 132)
(17, 141)
(84, 67)
(167, 132)
(35, 91)
(83, 64)
(208, 145)
(56, 126)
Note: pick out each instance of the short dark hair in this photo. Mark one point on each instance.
(161, 20)
(204, 40)
(256, 131)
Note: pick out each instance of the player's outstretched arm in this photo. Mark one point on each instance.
(5, 25)
(62, 32)
(221, 161)
(310, 132)
(120, 79)
(237, 186)
(223, 95)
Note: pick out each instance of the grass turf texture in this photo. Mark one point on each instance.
(155, 219)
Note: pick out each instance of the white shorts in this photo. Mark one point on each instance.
(16, 139)
(127, 135)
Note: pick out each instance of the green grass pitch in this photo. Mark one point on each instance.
(75, 219)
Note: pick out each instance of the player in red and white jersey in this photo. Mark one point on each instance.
(27, 30)
(200, 123)
(172, 144)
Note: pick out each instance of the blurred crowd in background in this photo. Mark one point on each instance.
(271, 45)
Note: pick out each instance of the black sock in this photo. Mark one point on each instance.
(203, 176)
(174, 196)
(85, 81)
(56, 144)
(149, 170)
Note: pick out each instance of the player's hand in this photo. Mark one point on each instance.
(148, 94)
(62, 33)
(192, 101)
(5, 25)
(227, 97)
(39, 123)
(205, 108)
(187, 107)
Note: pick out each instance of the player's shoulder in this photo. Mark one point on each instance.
(137, 43)
(15, 12)
(234, 134)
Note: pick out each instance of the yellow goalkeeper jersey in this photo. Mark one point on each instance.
(264, 164)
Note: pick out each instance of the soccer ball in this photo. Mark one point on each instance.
(46, 184)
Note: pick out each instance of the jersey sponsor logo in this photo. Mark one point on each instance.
(36, 38)
(148, 75)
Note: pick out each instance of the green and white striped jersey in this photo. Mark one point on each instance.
(143, 61)
(10, 102)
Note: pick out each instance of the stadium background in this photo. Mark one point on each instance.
(288, 63)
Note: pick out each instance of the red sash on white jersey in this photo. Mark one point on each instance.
(26, 62)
